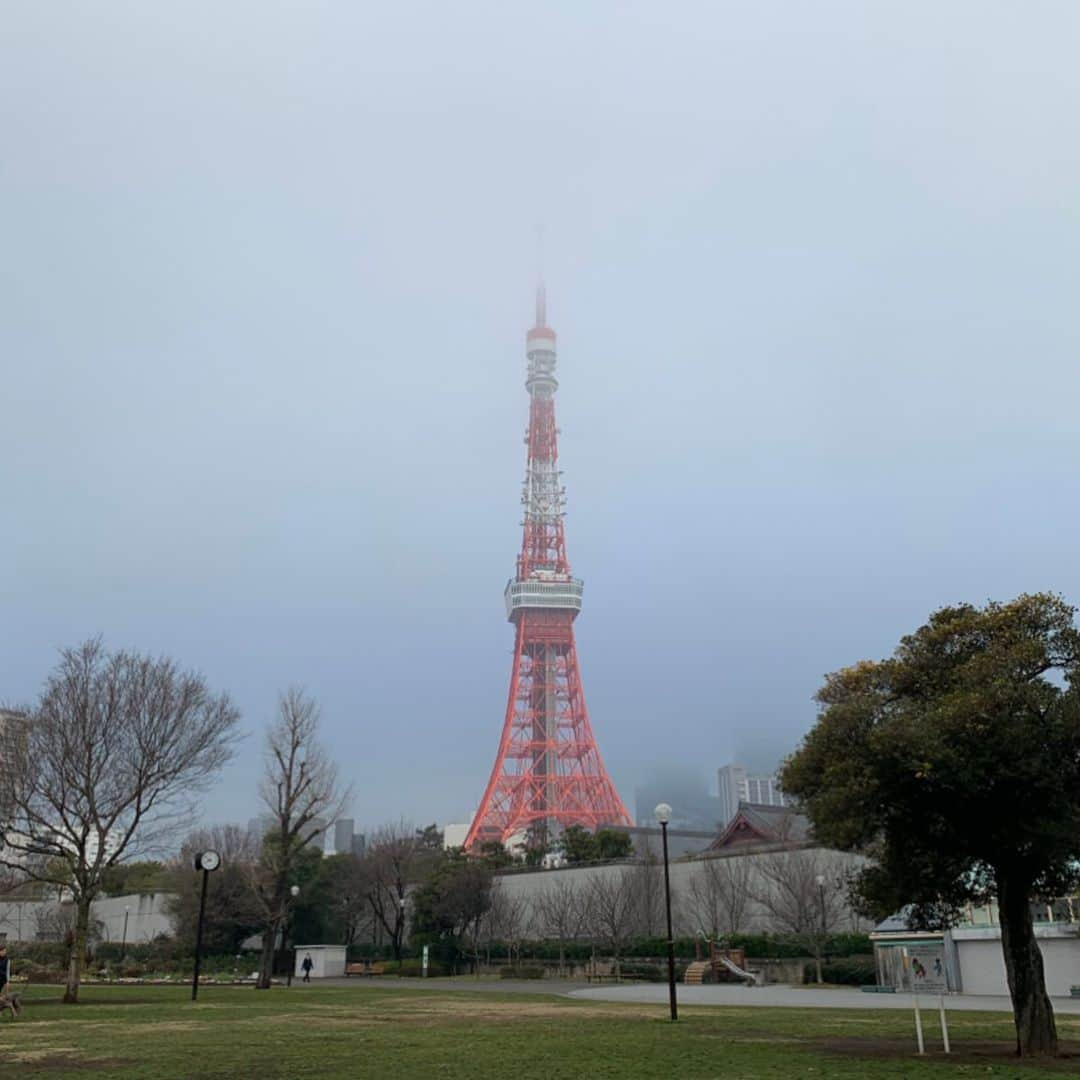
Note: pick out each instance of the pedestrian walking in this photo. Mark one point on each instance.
(307, 965)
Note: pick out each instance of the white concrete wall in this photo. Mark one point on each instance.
(18, 918)
(327, 961)
(147, 917)
(982, 964)
(685, 920)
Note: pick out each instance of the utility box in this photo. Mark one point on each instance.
(327, 961)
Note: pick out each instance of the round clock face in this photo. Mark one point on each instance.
(209, 860)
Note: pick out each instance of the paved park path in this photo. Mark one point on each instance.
(799, 997)
(790, 997)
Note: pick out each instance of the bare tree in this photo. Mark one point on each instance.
(398, 857)
(804, 894)
(613, 908)
(300, 789)
(57, 922)
(648, 878)
(106, 768)
(508, 919)
(564, 912)
(719, 894)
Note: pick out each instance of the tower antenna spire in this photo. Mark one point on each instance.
(541, 292)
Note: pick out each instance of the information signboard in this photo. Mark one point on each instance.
(924, 969)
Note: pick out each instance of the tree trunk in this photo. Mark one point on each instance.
(78, 951)
(817, 966)
(266, 961)
(1036, 1032)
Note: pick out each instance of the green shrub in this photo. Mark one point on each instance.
(40, 973)
(522, 971)
(846, 971)
(413, 969)
(644, 972)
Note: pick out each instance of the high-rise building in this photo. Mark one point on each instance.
(12, 747)
(735, 785)
(548, 773)
(318, 837)
(341, 839)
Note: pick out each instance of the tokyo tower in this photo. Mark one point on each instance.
(547, 773)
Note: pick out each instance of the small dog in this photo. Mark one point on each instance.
(12, 1002)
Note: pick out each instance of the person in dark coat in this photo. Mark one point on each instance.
(307, 965)
(5, 970)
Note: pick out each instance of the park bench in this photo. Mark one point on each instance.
(362, 968)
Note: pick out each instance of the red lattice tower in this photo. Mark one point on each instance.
(548, 773)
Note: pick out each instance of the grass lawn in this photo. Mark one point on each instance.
(383, 1030)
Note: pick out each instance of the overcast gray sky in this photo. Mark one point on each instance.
(266, 272)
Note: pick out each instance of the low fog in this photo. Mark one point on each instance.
(267, 273)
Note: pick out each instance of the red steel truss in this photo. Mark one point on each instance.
(548, 773)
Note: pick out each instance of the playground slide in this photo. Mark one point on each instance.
(738, 972)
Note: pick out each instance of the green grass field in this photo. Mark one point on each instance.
(383, 1030)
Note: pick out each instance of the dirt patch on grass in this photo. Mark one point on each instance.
(500, 1010)
(978, 1052)
(62, 1059)
(38, 1003)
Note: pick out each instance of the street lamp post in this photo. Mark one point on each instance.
(824, 930)
(123, 940)
(663, 815)
(294, 892)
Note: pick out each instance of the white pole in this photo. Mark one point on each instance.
(918, 1027)
(944, 1025)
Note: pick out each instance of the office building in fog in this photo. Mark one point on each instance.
(692, 807)
(735, 785)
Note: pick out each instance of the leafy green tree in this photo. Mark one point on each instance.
(494, 855)
(955, 765)
(578, 845)
(232, 911)
(613, 844)
(452, 901)
(337, 900)
(144, 877)
(537, 843)
(581, 846)
(430, 838)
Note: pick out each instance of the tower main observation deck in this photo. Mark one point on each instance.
(548, 773)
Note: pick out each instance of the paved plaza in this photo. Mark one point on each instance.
(789, 997)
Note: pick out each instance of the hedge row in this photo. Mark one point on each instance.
(847, 971)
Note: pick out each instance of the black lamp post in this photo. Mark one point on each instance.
(824, 927)
(294, 892)
(204, 861)
(663, 815)
(123, 939)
